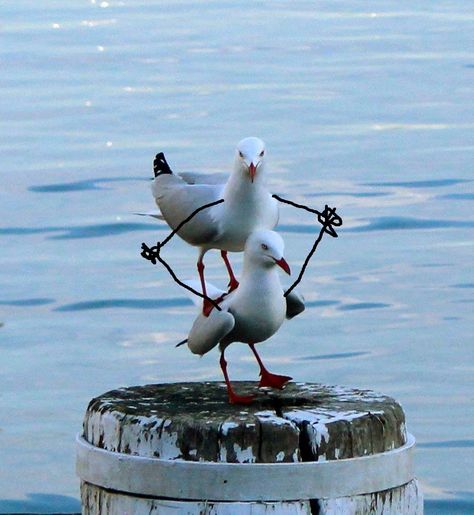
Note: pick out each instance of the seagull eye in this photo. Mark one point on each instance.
(262, 153)
(264, 247)
(240, 154)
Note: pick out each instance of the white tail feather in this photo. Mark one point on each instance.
(154, 214)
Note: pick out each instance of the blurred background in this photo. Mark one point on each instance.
(366, 106)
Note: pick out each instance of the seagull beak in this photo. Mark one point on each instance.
(283, 264)
(252, 171)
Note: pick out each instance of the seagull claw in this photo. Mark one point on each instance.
(240, 399)
(273, 380)
(207, 307)
(233, 284)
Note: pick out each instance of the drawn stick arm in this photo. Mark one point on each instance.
(327, 218)
(153, 254)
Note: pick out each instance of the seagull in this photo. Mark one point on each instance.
(251, 313)
(247, 206)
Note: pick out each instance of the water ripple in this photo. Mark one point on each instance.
(364, 194)
(84, 231)
(27, 302)
(447, 444)
(448, 506)
(41, 503)
(339, 355)
(319, 303)
(299, 229)
(457, 196)
(88, 184)
(363, 305)
(435, 183)
(391, 223)
(100, 230)
(125, 303)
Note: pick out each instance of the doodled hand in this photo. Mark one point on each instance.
(151, 253)
(328, 218)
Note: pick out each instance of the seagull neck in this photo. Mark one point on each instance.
(239, 188)
(257, 276)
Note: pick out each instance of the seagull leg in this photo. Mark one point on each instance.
(206, 305)
(233, 283)
(233, 397)
(266, 377)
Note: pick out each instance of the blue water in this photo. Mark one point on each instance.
(364, 106)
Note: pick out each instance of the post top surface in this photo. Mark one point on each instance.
(210, 399)
(193, 421)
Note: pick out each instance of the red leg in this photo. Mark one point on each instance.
(233, 283)
(233, 397)
(206, 306)
(266, 377)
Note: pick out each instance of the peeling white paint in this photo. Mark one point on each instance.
(169, 449)
(406, 500)
(226, 426)
(223, 454)
(244, 455)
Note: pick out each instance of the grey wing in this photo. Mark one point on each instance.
(207, 332)
(177, 200)
(294, 304)
(204, 178)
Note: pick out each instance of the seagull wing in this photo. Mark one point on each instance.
(207, 332)
(204, 178)
(294, 304)
(177, 200)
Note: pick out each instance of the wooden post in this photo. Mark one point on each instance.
(181, 448)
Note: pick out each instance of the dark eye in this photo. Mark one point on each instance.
(262, 153)
(240, 154)
(264, 247)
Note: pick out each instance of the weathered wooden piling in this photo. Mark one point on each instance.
(181, 448)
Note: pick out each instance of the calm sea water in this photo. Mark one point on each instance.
(364, 106)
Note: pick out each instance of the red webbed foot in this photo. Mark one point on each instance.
(273, 380)
(240, 399)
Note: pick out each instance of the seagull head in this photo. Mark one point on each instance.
(250, 157)
(266, 248)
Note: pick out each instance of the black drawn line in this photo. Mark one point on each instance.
(327, 218)
(153, 254)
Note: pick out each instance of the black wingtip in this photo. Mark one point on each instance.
(160, 165)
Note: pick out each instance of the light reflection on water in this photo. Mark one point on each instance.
(364, 109)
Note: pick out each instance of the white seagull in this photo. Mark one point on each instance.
(253, 312)
(247, 206)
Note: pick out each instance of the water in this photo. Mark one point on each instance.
(367, 107)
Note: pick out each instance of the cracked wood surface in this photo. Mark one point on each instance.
(193, 421)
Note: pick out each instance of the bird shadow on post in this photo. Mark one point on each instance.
(327, 218)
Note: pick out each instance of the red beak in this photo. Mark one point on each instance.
(283, 264)
(252, 171)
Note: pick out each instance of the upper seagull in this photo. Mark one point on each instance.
(247, 205)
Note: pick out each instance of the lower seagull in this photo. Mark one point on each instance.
(252, 313)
